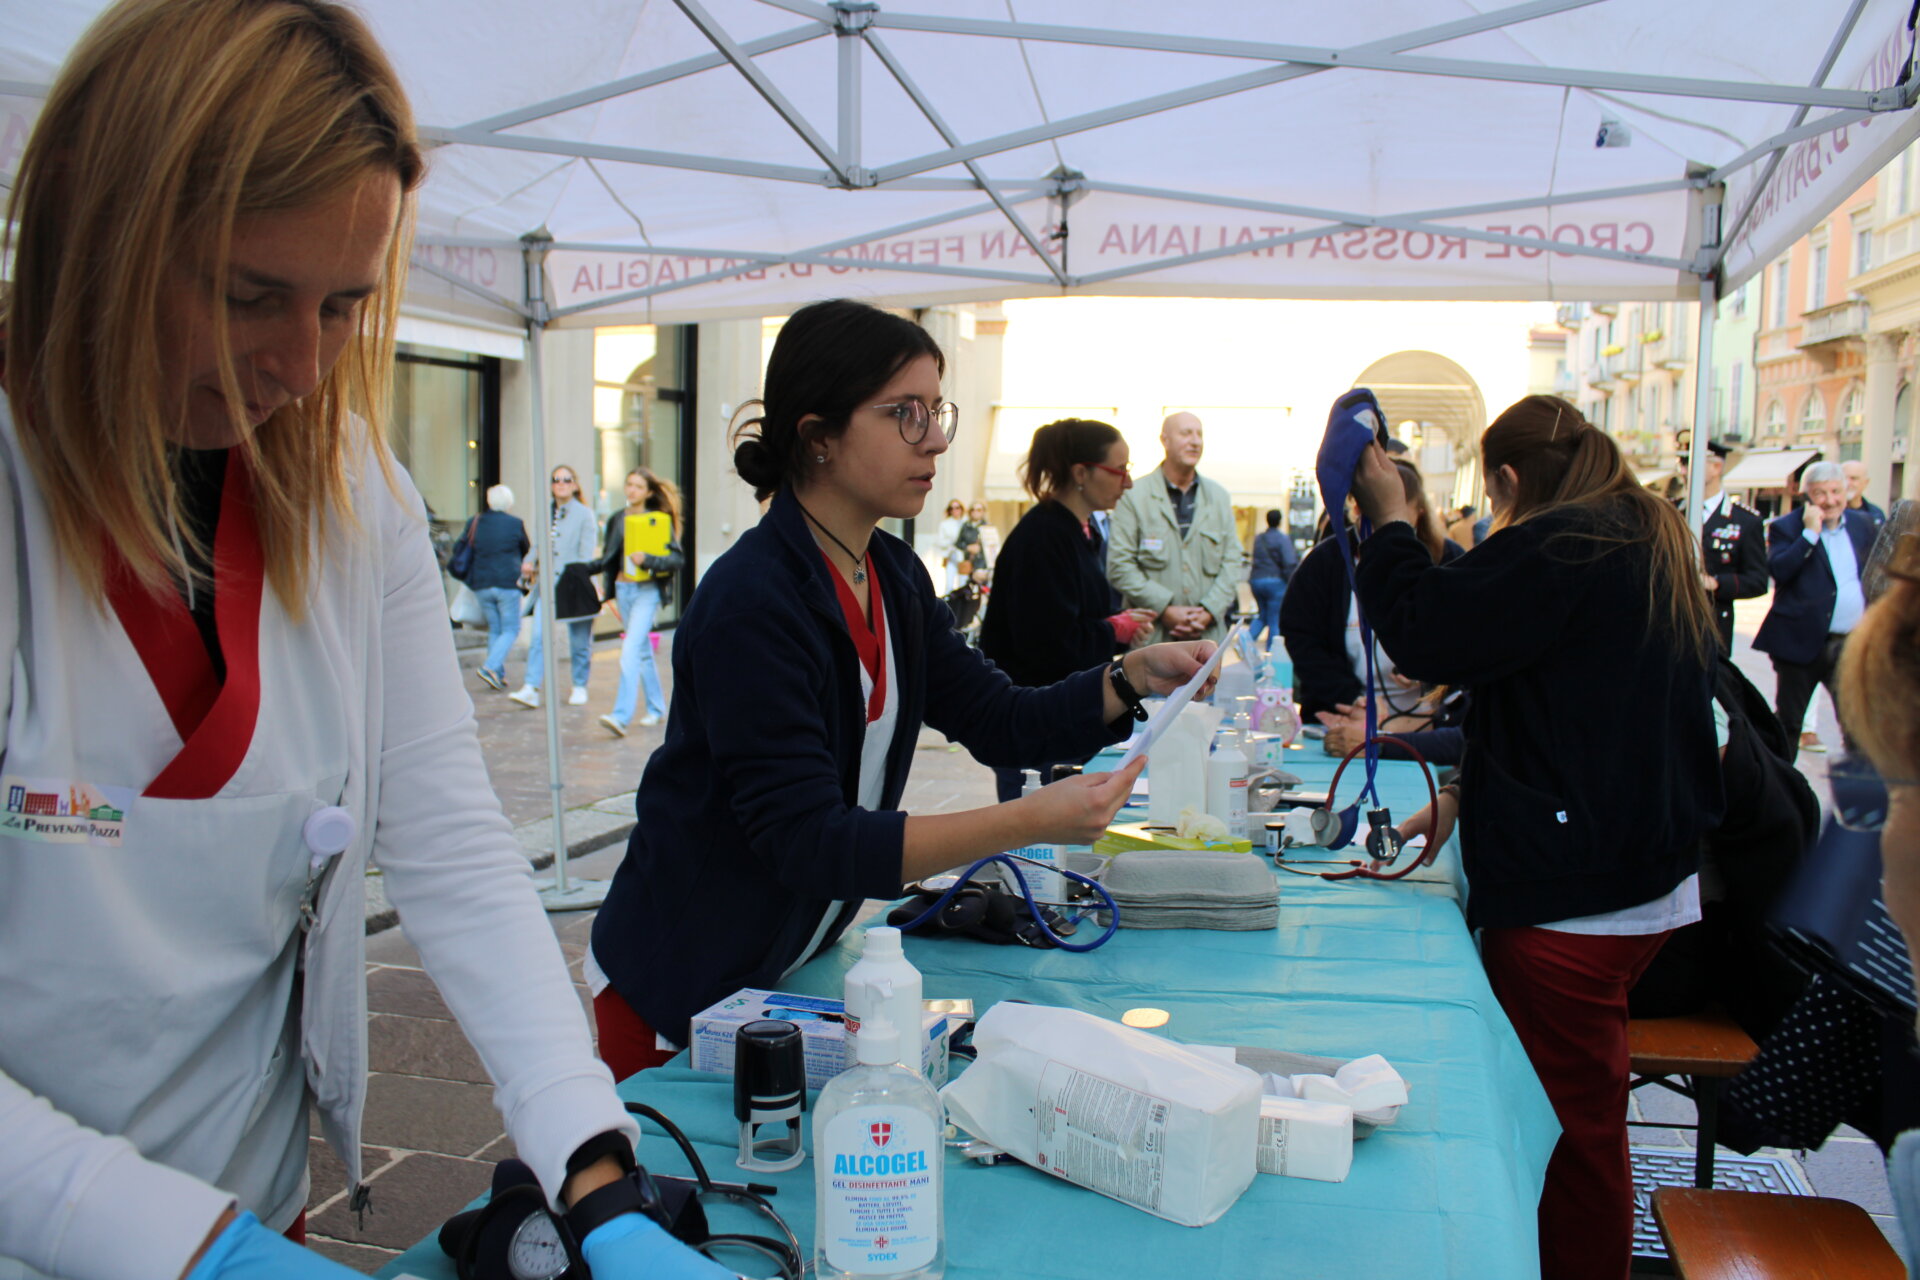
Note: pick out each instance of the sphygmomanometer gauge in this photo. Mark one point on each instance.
(536, 1251)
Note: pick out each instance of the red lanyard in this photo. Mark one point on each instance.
(869, 639)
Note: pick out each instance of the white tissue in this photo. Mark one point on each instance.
(1300, 1138)
(1368, 1087)
(1194, 825)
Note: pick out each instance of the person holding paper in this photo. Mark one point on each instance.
(809, 657)
(1579, 830)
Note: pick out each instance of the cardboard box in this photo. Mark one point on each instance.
(823, 1032)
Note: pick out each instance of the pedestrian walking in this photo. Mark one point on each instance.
(635, 581)
(500, 544)
(574, 561)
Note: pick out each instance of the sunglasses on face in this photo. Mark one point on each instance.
(913, 418)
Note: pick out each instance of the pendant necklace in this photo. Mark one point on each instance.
(859, 564)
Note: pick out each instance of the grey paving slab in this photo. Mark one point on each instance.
(426, 1047)
(404, 991)
(419, 1114)
(363, 1258)
(1850, 1169)
(411, 1198)
(329, 1177)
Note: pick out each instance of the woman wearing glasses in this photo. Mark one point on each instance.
(809, 657)
(572, 528)
(1052, 612)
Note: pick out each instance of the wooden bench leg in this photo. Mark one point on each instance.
(1706, 1105)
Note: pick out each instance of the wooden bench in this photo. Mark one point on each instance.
(1745, 1235)
(1703, 1049)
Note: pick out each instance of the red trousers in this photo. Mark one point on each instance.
(1566, 995)
(298, 1231)
(626, 1043)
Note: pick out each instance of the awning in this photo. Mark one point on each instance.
(1768, 469)
(480, 340)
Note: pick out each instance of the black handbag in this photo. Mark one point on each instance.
(460, 563)
(573, 595)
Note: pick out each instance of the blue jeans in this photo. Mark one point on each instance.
(639, 602)
(501, 605)
(1267, 593)
(579, 643)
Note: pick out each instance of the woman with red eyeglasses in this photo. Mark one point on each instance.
(1052, 611)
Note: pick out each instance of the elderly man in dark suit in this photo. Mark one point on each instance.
(1733, 543)
(1815, 556)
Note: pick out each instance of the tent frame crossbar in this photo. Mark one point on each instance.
(743, 62)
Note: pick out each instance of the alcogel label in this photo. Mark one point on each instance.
(1102, 1135)
(881, 1211)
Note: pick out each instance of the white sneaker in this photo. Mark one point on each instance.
(526, 695)
(578, 698)
(619, 730)
(649, 720)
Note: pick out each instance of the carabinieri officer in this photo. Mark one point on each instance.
(1733, 543)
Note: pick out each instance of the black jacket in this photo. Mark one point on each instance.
(1591, 771)
(499, 545)
(748, 826)
(613, 548)
(1804, 591)
(1313, 624)
(1047, 613)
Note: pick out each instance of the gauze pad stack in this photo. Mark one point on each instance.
(1193, 889)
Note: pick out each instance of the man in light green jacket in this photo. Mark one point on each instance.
(1175, 549)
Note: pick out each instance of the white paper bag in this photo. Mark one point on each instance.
(464, 608)
(1123, 1112)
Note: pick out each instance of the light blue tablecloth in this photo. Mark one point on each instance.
(1355, 968)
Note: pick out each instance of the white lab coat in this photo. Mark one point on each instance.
(144, 987)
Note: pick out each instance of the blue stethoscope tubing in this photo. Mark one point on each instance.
(1012, 861)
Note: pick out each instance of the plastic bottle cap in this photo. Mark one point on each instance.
(878, 1043)
(883, 940)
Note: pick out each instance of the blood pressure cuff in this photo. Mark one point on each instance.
(988, 915)
(1354, 422)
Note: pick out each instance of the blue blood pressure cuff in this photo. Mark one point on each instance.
(1354, 422)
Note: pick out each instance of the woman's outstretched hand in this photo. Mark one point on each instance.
(1162, 668)
(1078, 810)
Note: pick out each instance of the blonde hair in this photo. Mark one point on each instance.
(171, 120)
(662, 495)
(1880, 670)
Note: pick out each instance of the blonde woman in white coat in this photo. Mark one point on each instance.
(229, 687)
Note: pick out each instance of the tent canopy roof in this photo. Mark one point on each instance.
(736, 157)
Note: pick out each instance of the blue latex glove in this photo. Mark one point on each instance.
(633, 1246)
(248, 1251)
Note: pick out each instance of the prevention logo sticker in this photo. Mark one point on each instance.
(60, 811)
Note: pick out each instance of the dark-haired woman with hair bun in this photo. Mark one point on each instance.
(1051, 613)
(809, 657)
(1591, 772)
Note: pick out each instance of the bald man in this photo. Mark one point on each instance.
(1175, 549)
(1856, 473)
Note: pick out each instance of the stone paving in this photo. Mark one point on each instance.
(432, 1133)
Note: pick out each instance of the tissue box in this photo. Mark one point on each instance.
(1305, 1139)
(823, 1033)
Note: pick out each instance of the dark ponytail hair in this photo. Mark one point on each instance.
(830, 356)
(1058, 448)
(1563, 462)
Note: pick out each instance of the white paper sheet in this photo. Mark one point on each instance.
(1177, 701)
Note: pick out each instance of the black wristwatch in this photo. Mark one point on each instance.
(1123, 687)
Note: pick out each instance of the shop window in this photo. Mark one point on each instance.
(1813, 416)
(445, 430)
(643, 401)
(1775, 423)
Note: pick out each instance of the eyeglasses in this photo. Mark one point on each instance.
(1125, 473)
(913, 418)
(565, 480)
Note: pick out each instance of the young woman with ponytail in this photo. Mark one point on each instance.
(1591, 768)
(809, 657)
(1052, 612)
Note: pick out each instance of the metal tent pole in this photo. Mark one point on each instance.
(1702, 402)
(560, 894)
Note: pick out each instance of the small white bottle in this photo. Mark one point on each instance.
(878, 1177)
(883, 986)
(1046, 883)
(1227, 783)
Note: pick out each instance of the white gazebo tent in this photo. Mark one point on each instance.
(638, 161)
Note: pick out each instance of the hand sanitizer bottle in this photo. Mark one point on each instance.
(878, 1178)
(1046, 883)
(883, 986)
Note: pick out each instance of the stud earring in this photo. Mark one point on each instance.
(819, 457)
